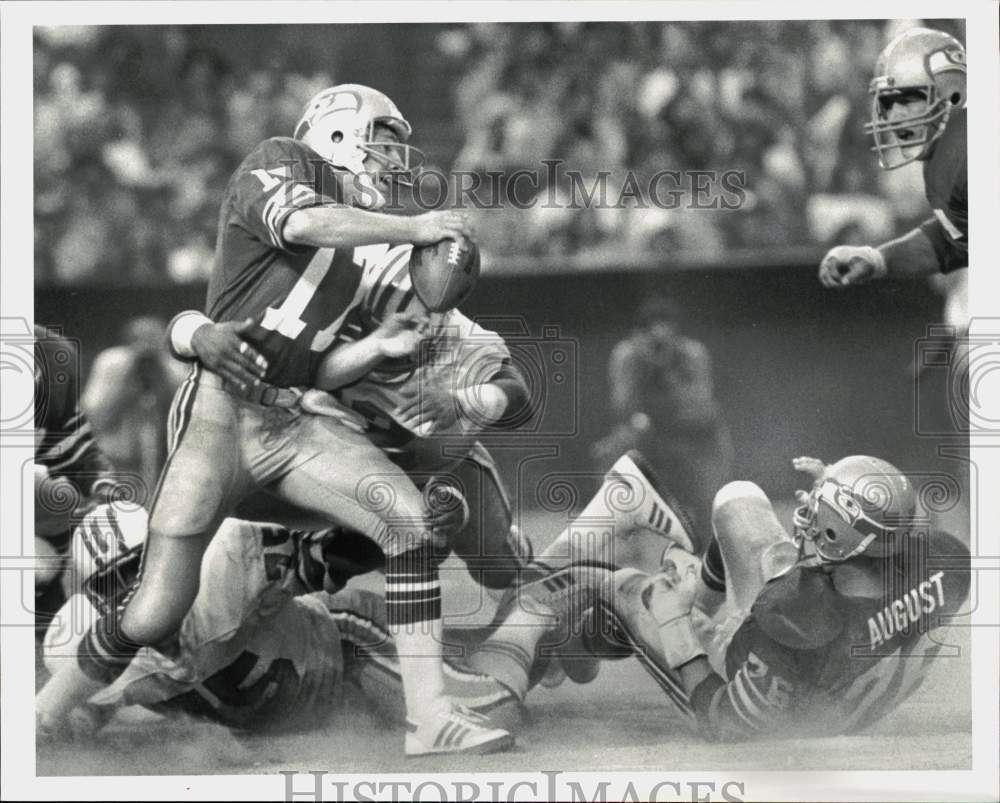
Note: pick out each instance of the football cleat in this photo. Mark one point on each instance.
(657, 510)
(455, 730)
(568, 595)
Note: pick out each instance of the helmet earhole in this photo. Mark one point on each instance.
(831, 534)
(336, 137)
(956, 98)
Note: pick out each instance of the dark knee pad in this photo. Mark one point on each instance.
(105, 651)
(348, 554)
(713, 570)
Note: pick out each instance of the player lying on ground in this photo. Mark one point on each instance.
(542, 623)
(273, 635)
(822, 634)
(918, 113)
(272, 641)
(295, 219)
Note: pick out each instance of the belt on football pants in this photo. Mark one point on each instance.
(272, 396)
(262, 394)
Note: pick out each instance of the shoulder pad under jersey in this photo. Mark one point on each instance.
(799, 609)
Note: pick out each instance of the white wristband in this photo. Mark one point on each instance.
(874, 256)
(182, 329)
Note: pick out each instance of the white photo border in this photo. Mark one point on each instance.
(17, 744)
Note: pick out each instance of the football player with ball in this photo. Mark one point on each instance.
(302, 223)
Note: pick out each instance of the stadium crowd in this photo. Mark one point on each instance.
(131, 158)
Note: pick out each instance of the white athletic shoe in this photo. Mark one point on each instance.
(457, 730)
(658, 511)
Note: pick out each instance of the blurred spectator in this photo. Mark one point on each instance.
(138, 128)
(663, 398)
(127, 398)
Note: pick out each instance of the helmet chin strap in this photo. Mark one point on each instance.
(371, 196)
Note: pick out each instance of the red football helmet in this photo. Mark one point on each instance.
(923, 65)
(857, 506)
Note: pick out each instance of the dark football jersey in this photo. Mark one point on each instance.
(64, 442)
(827, 651)
(946, 186)
(297, 295)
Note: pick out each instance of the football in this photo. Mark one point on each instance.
(445, 273)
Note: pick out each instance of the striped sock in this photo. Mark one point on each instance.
(412, 588)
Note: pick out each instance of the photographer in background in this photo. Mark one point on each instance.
(127, 398)
(664, 404)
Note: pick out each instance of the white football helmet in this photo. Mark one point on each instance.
(920, 63)
(339, 124)
(107, 533)
(857, 506)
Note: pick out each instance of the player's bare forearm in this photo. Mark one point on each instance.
(220, 347)
(344, 227)
(348, 227)
(398, 336)
(348, 363)
(910, 256)
(482, 405)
